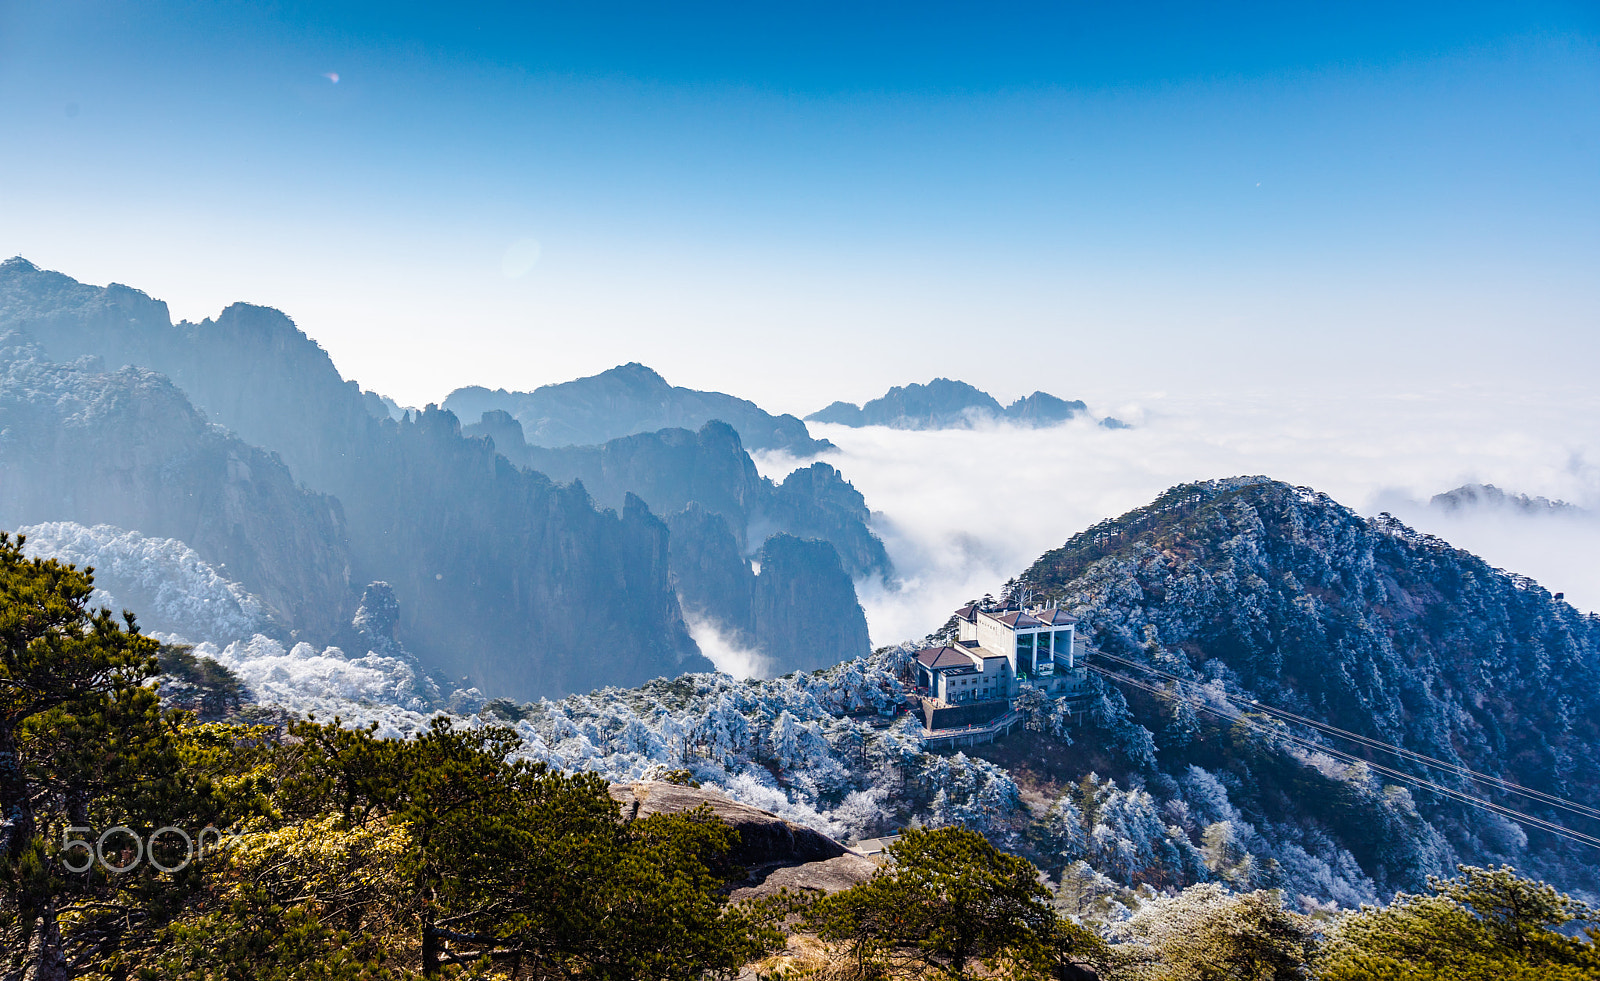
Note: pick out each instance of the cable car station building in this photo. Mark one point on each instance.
(993, 652)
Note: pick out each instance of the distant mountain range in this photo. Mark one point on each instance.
(947, 404)
(505, 579)
(630, 399)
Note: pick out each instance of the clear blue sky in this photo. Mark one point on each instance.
(803, 202)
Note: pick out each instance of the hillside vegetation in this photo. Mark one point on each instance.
(346, 856)
(1258, 590)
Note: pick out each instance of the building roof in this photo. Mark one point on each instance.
(944, 657)
(1056, 618)
(968, 613)
(1018, 619)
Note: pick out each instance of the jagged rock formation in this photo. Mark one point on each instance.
(1281, 594)
(804, 613)
(774, 853)
(721, 513)
(376, 619)
(502, 576)
(125, 448)
(800, 612)
(629, 399)
(508, 579)
(673, 467)
(947, 404)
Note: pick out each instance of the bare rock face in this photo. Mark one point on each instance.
(833, 875)
(775, 853)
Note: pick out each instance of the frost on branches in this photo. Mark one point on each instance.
(177, 594)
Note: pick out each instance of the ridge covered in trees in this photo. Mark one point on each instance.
(137, 841)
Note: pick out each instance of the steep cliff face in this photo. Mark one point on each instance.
(713, 577)
(1278, 593)
(506, 579)
(503, 577)
(674, 467)
(631, 399)
(125, 448)
(800, 612)
(722, 513)
(804, 610)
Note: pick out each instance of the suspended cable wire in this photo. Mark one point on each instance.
(1400, 751)
(1449, 792)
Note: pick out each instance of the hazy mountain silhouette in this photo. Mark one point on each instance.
(947, 404)
(629, 399)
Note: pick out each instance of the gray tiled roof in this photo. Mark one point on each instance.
(944, 657)
(1016, 618)
(1056, 618)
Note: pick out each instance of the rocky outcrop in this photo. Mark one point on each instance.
(376, 619)
(631, 399)
(673, 468)
(125, 448)
(774, 853)
(800, 613)
(947, 404)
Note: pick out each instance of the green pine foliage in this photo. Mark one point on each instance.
(341, 856)
(1484, 923)
(948, 901)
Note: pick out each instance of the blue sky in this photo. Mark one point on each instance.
(798, 203)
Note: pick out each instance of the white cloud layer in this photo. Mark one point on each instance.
(729, 657)
(961, 511)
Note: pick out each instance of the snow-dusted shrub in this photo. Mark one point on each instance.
(176, 593)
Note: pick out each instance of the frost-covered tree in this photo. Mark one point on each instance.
(1206, 932)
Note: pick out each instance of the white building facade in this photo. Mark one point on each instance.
(996, 650)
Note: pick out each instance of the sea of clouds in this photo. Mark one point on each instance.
(963, 510)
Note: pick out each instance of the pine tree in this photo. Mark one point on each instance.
(82, 750)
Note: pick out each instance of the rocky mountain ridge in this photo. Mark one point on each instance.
(671, 468)
(631, 398)
(1487, 497)
(1280, 594)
